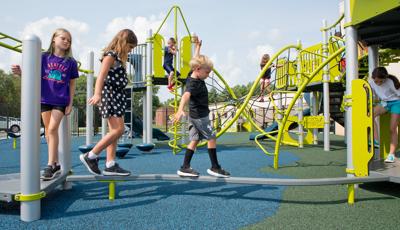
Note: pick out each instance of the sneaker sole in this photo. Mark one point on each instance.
(211, 173)
(388, 161)
(82, 158)
(183, 174)
(47, 178)
(105, 173)
(50, 178)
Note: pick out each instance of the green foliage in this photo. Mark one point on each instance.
(137, 102)
(215, 96)
(10, 95)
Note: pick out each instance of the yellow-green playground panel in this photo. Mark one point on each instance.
(362, 126)
(185, 55)
(158, 56)
(311, 58)
(309, 123)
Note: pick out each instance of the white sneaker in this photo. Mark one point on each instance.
(390, 158)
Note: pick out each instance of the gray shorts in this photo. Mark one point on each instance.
(200, 129)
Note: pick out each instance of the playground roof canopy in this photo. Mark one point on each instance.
(377, 22)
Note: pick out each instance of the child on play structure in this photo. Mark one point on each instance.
(386, 88)
(58, 73)
(169, 53)
(265, 80)
(200, 127)
(110, 96)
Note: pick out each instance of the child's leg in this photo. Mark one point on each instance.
(394, 122)
(111, 151)
(215, 169)
(116, 129)
(212, 153)
(262, 86)
(52, 132)
(46, 121)
(189, 153)
(378, 110)
(170, 77)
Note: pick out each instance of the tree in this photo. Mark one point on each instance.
(10, 95)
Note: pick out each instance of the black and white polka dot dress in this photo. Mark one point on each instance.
(113, 98)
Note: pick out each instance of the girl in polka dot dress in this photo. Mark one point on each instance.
(109, 95)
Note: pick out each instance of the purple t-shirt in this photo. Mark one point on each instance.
(56, 75)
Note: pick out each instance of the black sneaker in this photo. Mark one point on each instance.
(47, 173)
(187, 172)
(91, 164)
(218, 172)
(116, 171)
(56, 169)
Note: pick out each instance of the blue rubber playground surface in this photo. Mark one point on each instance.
(205, 205)
(155, 204)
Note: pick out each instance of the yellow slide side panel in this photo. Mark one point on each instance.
(158, 55)
(313, 122)
(247, 126)
(186, 55)
(363, 10)
(362, 121)
(287, 138)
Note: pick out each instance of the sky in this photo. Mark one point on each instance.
(235, 33)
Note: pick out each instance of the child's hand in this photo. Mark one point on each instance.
(177, 116)
(68, 110)
(95, 100)
(16, 69)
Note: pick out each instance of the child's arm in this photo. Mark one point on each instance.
(184, 100)
(108, 61)
(16, 69)
(172, 50)
(71, 94)
(197, 49)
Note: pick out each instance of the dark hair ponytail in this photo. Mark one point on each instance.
(382, 73)
(395, 81)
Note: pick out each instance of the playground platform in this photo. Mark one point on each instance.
(150, 203)
(392, 170)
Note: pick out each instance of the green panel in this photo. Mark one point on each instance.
(158, 44)
(363, 10)
(186, 55)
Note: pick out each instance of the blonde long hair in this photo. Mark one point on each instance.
(119, 43)
(68, 52)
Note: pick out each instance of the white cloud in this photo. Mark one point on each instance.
(254, 55)
(44, 28)
(230, 68)
(140, 25)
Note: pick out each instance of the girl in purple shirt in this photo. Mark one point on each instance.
(58, 74)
